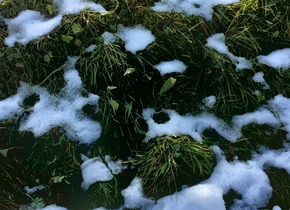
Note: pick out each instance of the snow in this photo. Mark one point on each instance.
(53, 207)
(29, 25)
(259, 78)
(276, 114)
(115, 166)
(209, 102)
(76, 6)
(136, 38)
(33, 189)
(198, 197)
(217, 42)
(167, 67)
(278, 59)
(11, 106)
(108, 37)
(134, 197)
(63, 109)
(95, 170)
(191, 7)
(91, 48)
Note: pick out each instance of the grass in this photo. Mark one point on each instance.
(168, 160)
(251, 28)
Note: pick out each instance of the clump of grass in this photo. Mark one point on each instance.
(168, 159)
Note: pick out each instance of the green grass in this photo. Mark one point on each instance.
(251, 28)
(168, 160)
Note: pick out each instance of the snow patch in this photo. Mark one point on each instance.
(191, 7)
(29, 25)
(136, 38)
(217, 42)
(259, 78)
(278, 59)
(76, 6)
(108, 38)
(167, 67)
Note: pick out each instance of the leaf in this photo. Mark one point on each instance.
(276, 34)
(176, 147)
(51, 9)
(78, 43)
(77, 28)
(46, 58)
(4, 152)
(114, 104)
(66, 39)
(58, 179)
(111, 88)
(128, 110)
(129, 71)
(168, 84)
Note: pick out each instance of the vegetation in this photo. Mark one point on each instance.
(127, 83)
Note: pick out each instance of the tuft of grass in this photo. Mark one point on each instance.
(168, 159)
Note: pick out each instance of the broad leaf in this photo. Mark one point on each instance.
(168, 84)
(66, 39)
(114, 104)
(77, 28)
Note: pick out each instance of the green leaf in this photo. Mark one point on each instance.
(261, 97)
(78, 43)
(114, 104)
(129, 71)
(168, 84)
(276, 34)
(128, 110)
(4, 152)
(46, 58)
(51, 9)
(176, 147)
(66, 39)
(77, 28)
(57, 179)
(111, 88)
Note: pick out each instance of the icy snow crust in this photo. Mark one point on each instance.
(63, 109)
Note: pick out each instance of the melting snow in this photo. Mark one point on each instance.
(217, 42)
(259, 78)
(136, 38)
(94, 170)
(108, 38)
(278, 59)
(29, 25)
(76, 6)
(167, 67)
(191, 7)
(64, 109)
